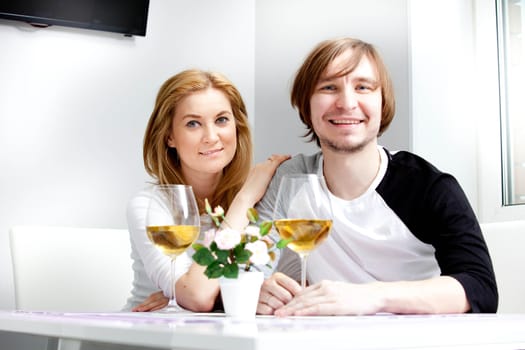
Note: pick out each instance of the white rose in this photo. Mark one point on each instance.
(253, 231)
(218, 211)
(259, 251)
(227, 238)
(209, 235)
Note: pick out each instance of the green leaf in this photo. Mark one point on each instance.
(252, 215)
(203, 257)
(222, 255)
(283, 243)
(207, 206)
(238, 249)
(214, 270)
(242, 255)
(216, 221)
(197, 246)
(231, 271)
(265, 228)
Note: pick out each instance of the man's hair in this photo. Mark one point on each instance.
(315, 64)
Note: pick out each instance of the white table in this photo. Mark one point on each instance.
(214, 331)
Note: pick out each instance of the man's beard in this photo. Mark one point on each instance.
(343, 148)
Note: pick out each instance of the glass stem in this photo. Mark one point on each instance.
(303, 271)
(173, 300)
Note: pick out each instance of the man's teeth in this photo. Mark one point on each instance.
(347, 122)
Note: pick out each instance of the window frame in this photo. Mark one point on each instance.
(489, 128)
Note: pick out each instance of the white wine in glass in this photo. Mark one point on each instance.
(172, 224)
(303, 214)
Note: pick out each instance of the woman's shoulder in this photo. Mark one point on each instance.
(139, 199)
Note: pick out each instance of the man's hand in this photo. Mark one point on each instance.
(276, 291)
(333, 298)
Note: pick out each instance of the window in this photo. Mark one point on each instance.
(511, 52)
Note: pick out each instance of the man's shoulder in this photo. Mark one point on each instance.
(298, 164)
(301, 163)
(407, 171)
(409, 162)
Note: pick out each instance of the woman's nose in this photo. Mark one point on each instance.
(211, 134)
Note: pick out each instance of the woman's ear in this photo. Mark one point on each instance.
(171, 143)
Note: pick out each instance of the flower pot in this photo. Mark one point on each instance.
(240, 295)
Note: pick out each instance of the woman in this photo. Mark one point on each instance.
(198, 134)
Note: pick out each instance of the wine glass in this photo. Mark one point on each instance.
(172, 224)
(303, 214)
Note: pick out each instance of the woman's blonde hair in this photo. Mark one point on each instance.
(162, 162)
(314, 66)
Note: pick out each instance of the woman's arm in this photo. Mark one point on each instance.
(194, 291)
(156, 265)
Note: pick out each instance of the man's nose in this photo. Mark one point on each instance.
(347, 98)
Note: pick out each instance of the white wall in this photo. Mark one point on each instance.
(444, 125)
(74, 105)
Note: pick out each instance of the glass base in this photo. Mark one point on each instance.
(172, 307)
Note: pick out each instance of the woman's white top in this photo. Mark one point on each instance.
(151, 267)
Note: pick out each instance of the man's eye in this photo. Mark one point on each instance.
(328, 87)
(365, 88)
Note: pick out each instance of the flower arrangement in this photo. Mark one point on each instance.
(225, 250)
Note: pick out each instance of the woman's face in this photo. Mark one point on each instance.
(204, 133)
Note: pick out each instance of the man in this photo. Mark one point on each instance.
(404, 237)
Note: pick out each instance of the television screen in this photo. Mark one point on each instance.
(128, 17)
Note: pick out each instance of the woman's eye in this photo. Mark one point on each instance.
(192, 124)
(222, 120)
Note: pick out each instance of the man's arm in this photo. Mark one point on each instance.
(433, 296)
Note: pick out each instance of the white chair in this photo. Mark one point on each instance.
(70, 269)
(505, 241)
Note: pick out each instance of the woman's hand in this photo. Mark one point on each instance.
(155, 301)
(194, 291)
(253, 190)
(260, 176)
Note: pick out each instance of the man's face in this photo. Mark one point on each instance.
(346, 110)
